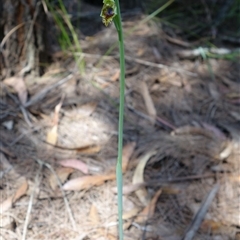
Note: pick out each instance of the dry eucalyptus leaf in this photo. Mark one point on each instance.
(131, 213)
(90, 149)
(62, 173)
(128, 150)
(5, 205)
(52, 135)
(107, 236)
(115, 77)
(126, 154)
(127, 189)
(86, 110)
(170, 190)
(87, 182)
(21, 191)
(7, 222)
(148, 101)
(138, 177)
(93, 215)
(19, 86)
(76, 164)
(56, 113)
(211, 225)
(148, 211)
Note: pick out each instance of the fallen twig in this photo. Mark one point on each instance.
(25, 227)
(196, 223)
(40, 95)
(158, 65)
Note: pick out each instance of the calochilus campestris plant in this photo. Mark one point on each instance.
(111, 12)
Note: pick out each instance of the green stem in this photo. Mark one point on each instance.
(118, 24)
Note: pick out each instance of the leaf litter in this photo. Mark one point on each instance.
(187, 125)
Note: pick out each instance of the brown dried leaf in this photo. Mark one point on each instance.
(56, 113)
(19, 86)
(90, 149)
(7, 204)
(107, 236)
(170, 190)
(76, 164)
(115, 77)
(130, 214)
(126, 155)
(148, 101)
(62, 174)
(86, 110)
(7, 222)
(211, 225)
(93, 215)
(22, 190)
(235, 178)
(148, 211)
(138, 177)
(127, 189)
(87, 182)
(52, 135)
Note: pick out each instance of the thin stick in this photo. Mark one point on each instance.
(40, 95)
(158, 65)
(201, 214)
(30, 204)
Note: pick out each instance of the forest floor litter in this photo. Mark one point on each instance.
(181, 144)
